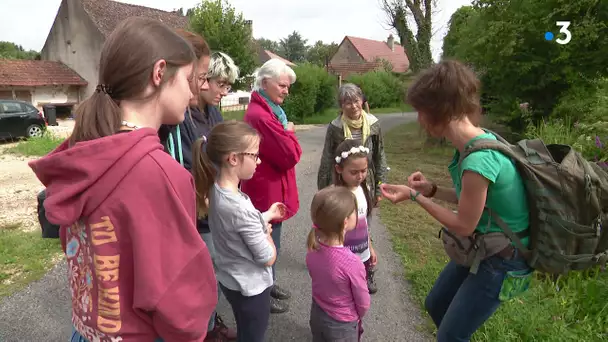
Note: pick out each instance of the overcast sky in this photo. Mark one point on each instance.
(27, 22)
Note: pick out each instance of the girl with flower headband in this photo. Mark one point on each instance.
(350, 171)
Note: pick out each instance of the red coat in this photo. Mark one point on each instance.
(275, 178)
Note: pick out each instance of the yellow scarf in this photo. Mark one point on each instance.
(360, 123)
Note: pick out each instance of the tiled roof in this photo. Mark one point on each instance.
(31, 73)
(271, 55)
(106, 14)
(371, 50)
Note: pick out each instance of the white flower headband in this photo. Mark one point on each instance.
(345, 154)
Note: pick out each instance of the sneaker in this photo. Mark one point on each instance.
(277, 306)
(222, 329)
(371, 283)
(279, 293)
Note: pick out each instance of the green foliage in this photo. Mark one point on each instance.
(10, 50)
(320, 52)
(37, 146)
(225, 30)
(504, 42)
(313, 92)
(580, 119)
(294, 47)
(382, 88)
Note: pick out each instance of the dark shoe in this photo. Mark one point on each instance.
(279, 293)
(214, 336)
(222, 329)
(371, 283)
(277, 306)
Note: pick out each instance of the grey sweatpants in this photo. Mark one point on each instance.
(326, 329)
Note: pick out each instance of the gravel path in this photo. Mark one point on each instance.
(41, 311)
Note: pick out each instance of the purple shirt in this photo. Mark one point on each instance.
(339, 285)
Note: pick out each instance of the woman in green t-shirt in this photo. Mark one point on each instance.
(446, 97)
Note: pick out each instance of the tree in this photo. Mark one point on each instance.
(10, 50)
(417, 47)
(320, 52)
(504, 42)
(294, 47)
(226, 31)
(270, 45)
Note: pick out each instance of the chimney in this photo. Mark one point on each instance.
(391, 42)
(249, 26)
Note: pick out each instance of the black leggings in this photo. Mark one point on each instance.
(250, 313)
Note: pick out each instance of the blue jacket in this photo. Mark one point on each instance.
(178, 140)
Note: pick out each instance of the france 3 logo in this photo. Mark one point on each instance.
(563, 29)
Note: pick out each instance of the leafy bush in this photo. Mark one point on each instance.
(38, 146)
(586, 101)
(382, 89)
(313, 92)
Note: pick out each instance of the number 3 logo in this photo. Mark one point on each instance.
(564, 29)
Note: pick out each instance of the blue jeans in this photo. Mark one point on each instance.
(460, 302)
(211, 247)
(276, 237)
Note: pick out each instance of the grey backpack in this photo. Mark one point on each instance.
(568, 199)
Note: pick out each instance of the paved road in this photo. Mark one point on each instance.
(41, 311)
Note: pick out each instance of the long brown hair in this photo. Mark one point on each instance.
(328, 210)
(127, 61)
(209, 154)
(346, 146)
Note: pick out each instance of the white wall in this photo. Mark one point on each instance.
(54, 95)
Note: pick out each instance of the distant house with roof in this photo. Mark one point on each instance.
(40, 82)
(81, 28)
(266, 55)
(360, 55)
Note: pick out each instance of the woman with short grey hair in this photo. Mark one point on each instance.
(354, 123)
(275, 178)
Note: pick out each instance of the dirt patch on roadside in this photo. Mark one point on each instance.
(18, 190)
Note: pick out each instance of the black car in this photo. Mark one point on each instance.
(20, 119)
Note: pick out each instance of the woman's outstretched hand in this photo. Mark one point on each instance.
(418, 182)
(395, 193)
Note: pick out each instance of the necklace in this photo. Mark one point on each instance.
(130, 125)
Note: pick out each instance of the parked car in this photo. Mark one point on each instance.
(20, 119)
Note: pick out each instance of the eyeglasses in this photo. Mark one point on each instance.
(202, 79)
(256, 156)
(223, 85)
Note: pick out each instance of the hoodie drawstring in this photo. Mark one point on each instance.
(179, 146)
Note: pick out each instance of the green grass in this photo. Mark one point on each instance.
(24, 257)
(324, 117)
(574, 309)
(37, 146)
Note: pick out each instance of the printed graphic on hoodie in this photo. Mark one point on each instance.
(101, 261)
(358, 239)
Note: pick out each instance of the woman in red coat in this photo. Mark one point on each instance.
(275, 178)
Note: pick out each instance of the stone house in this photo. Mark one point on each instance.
(81, 27)
(360, 55)
(40, 83)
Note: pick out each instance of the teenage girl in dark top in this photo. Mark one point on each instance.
(216, 75)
